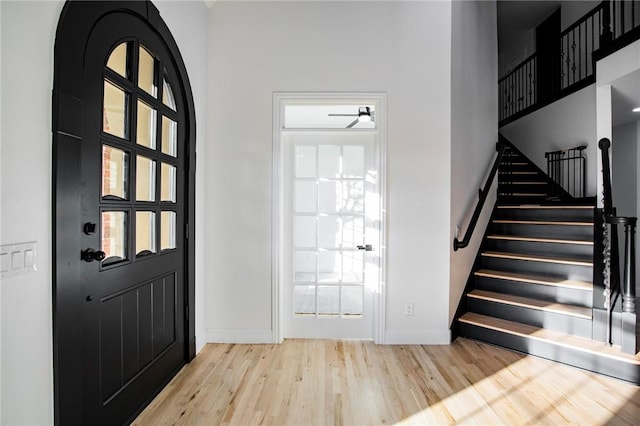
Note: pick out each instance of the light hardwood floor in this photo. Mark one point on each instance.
(327, 382)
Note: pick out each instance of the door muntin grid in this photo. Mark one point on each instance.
(328, 226)
(141, 156)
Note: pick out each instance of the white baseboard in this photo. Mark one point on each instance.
(417, 337)
(217, 335)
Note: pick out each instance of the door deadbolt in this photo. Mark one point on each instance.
(89, 228)
(89, 255)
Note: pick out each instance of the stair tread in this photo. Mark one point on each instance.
(538, 258)
(535, 279)
(539, 240)
(527, 302)
(541, 222)
(523, 182)
(549, 336)
(546, 206)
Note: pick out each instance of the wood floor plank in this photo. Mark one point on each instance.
(329, 382)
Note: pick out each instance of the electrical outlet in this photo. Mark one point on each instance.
(408, 309)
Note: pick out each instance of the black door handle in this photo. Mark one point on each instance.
(89, 255)
(367, 247)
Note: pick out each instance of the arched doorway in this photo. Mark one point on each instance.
(123, 134)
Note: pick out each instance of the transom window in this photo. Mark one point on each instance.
(140, 154)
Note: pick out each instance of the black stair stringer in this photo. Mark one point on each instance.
(565, 354)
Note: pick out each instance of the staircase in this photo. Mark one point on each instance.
(531, 289)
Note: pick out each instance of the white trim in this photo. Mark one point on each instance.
(289, 98)
(418, 337)
(218, 335)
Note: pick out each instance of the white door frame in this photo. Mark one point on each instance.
(280, 100)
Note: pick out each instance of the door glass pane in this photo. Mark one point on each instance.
(352, 300)
(145, 179)
(115, 173)
(169, 136)
(353, 196)
(113, 232)
(328, 300)
(305, 161)
(305, 266)
(306, 194)
(167, 93)
(168, 183)
(330, 196)
(352, 231)
(147, 73)
(329, 266)
(145, 233)
(146, 130)
(353, 161)
(304, 300)
(118, 60)
(304, 231)
(329, 232)
(167, 230)
(352, 266)
(114, 111)
(329, 161)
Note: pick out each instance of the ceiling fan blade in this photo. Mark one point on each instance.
(353, 123)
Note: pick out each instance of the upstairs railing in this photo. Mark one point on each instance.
(567, 169)
(577, 44)
(484, 192)
(519, 91)
(612, 285)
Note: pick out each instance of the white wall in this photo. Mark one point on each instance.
(255, 49)
(28, 32)
(0, 212)
(474, 128)
(625, 157)
(572, 10)
(566, 123)
(624, 168)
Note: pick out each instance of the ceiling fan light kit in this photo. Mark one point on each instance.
(364, 115)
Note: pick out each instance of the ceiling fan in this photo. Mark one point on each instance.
(364, 115)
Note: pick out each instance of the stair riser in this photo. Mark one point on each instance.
(580, 215)
(549, 320)
(530, 247)
(522, 188)
(536, 291)
(571, 272)
(544, 231)
(506, 199)
(518, 176)
(588, 361)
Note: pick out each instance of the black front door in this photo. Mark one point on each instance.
(132, 191)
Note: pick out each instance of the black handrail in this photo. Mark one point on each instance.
(500, 147)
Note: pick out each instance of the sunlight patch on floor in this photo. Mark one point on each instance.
(546, 392)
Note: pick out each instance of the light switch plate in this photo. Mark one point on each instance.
(18, 259)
